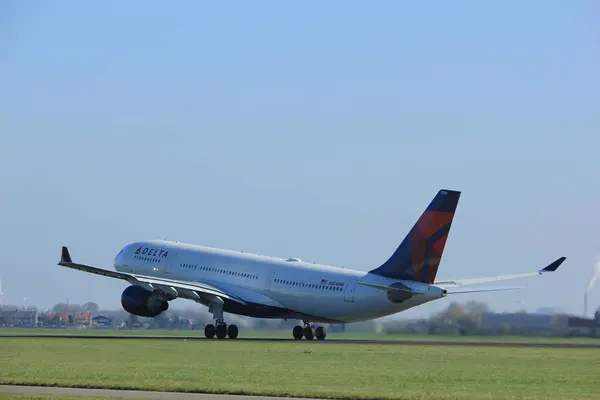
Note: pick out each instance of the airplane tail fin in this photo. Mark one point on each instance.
(418, 256)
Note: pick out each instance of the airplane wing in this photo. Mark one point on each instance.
(187, 290)
(450, 285)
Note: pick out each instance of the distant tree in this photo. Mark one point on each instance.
(91, 307)
(476, 307)
(451, 314)
(503, 328)
(432, 328)
(60, 308)
(175, 321)
(475, 311)
(162, 321)
(133, 320)
(466, 324)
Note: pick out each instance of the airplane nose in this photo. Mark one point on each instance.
(119, 258)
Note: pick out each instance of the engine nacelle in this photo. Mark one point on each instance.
(138, 301)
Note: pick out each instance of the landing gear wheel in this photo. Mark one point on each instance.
(209, 331)
(308, 333)
(298, 332)
(221, 331)
(232, 331)
(320, 333)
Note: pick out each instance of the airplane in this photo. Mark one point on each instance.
(226, 281)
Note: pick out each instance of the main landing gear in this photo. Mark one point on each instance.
(309, 332)
(221, 330)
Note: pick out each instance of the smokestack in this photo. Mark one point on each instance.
(585, 304)
(592, 282)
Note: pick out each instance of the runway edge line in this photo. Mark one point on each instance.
(330, 341)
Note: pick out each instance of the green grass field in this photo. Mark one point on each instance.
(288, 335)
(9, 396)
(305, 369)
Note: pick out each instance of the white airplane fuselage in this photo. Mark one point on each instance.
(226, 281)
(292, 288)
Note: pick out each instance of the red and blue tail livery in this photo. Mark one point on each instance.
(419, 255)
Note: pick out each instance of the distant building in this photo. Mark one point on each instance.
(547, 311)
(518, 320)
(102, 321)
(19, 317)
(582, 322)
(80, 319)
(69, 318)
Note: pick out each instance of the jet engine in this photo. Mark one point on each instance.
(138, 301)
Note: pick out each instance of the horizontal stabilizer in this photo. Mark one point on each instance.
(474, 281)
(493, 289)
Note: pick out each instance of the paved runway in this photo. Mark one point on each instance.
(128, 394)
(330, 341)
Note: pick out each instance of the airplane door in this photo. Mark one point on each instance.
(349, 292)
(271, 280)
(170, 263)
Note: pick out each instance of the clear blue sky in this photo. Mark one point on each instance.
(317, 130)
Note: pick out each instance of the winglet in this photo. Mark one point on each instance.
(554, 266)
(65, 257)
